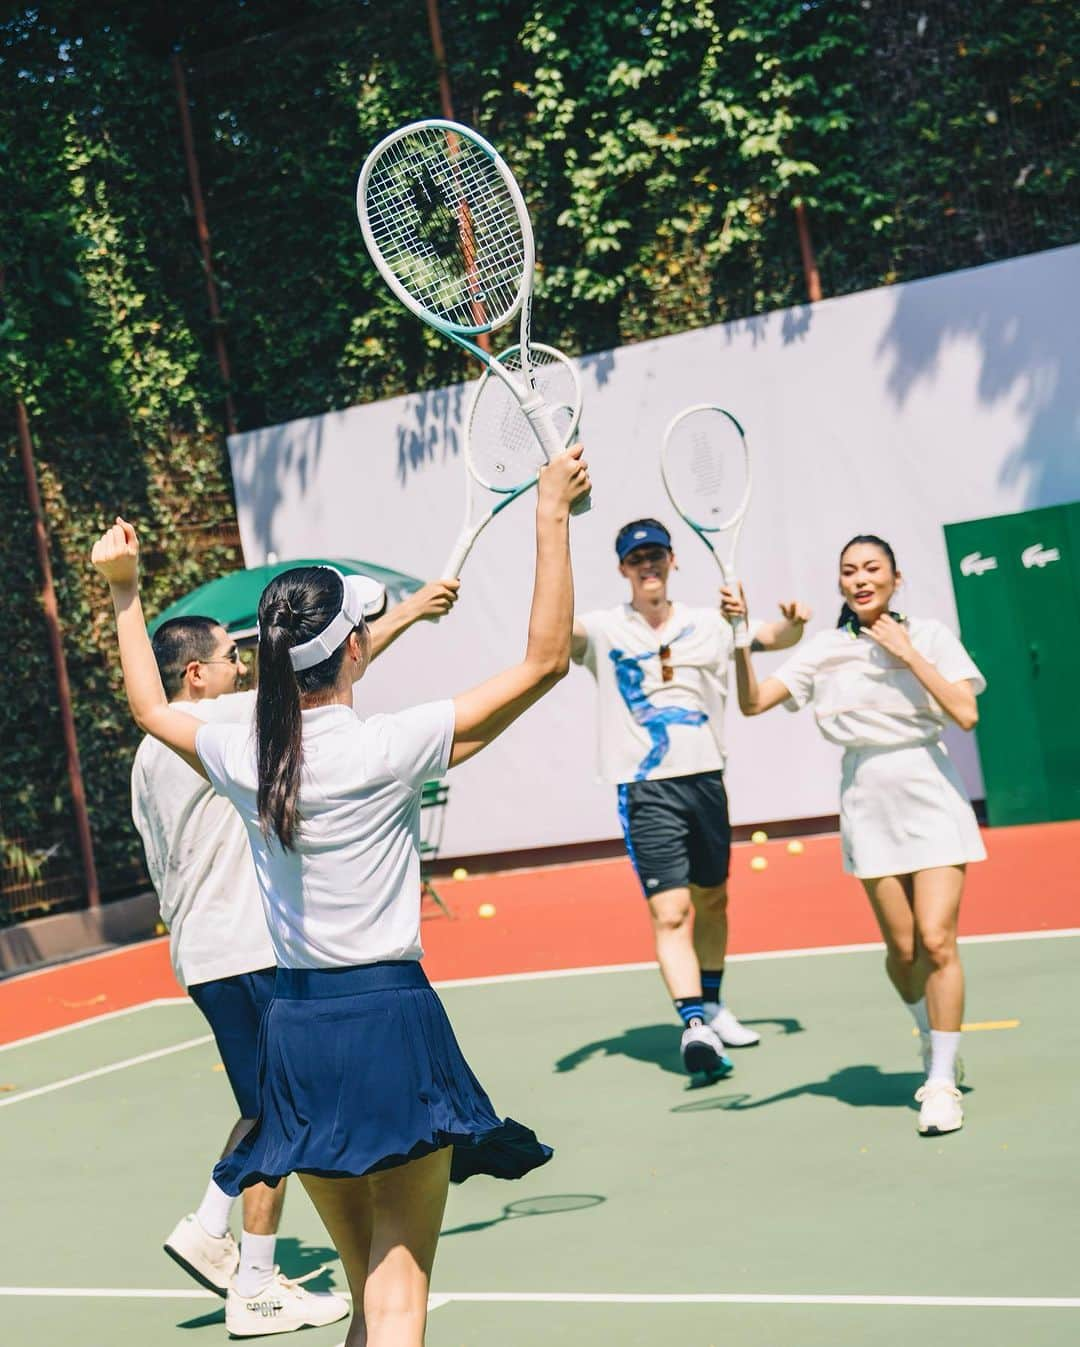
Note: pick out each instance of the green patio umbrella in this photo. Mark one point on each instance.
(233, 599)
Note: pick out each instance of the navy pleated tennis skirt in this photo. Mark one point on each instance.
(359, 1071)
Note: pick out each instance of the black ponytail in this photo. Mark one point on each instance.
(848, 617)
(295, 606)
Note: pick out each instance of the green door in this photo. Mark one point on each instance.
(1046, 582)
(1017, 585)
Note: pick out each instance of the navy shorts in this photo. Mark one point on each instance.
(677, 831)
(234, 1008)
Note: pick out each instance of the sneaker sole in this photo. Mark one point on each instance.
(939, 1131)
(700, 1059)
(194, 1273)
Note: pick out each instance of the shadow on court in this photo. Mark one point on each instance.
(857, 1086)
(656, 1045)
(531, 1206)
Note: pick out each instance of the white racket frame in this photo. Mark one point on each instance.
(532, 404)
(471, 529)
(732, 525)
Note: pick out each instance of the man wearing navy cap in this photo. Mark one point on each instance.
(661, 673)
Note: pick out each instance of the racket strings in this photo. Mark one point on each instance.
(503, 450)
(446, 225)
(706, 468)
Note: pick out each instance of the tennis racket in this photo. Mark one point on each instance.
(502, 457)
(705, 464)
(448, 230)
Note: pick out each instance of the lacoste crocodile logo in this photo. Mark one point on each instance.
(1037, 555)
(976, 564)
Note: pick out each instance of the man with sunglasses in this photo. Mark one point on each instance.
(200, 864)
(661, 670)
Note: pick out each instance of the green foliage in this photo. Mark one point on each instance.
(662, 148)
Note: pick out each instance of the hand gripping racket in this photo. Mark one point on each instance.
(705, 464)
(448, 230)
(502, 457)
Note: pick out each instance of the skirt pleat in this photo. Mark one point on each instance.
(359, 1071)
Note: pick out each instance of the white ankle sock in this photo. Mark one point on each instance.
(944, 1045)
(213, 1211)
(919, 1014)
(256, 1269)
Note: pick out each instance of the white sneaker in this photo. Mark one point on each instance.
(728, 1029)
(940, 1110)
(282, 1306)
(211, 1259)
(927, 1053)
(703, 1051)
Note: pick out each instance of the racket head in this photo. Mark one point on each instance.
(446, 226)
(501, 449)
(705, 464)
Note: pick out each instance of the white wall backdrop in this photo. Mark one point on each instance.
(892, 412)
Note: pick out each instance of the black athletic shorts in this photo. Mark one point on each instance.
(677, 831)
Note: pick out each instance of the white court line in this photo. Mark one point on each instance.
(105, 1070)
(544, 974)
(439, 1298)
(95, 1019)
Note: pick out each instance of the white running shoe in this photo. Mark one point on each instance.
(211, 1259)
(703, 1051)
(282, 1306)
(940, 1110)
(728, 1029)
(927, 1053)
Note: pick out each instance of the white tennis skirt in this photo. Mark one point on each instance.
(905, 809)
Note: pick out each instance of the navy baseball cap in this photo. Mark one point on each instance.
(641, 533)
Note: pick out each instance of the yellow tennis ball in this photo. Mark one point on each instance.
(758, 837)
(795, 847)
(461, 873)
(486, 910)
(160, 928)
(758, 863)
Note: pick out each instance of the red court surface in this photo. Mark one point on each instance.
(593, 914)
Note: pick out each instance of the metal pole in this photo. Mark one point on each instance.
(809, 261)
(56, 645)
(438, 50)
(203, 233)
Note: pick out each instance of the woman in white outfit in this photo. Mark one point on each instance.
(883, 687)
(362, 1090)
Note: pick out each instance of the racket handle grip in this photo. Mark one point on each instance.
(551, 442)
(456, 559)
(740, 628)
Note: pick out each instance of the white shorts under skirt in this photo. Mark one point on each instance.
(905, 809)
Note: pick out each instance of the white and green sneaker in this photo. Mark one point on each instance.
(940, 1110)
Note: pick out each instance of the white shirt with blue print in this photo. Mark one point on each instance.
(649, 729)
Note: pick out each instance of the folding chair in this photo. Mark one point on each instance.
(433, 798)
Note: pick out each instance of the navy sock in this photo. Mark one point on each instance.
(711, 978)
(691, 1009)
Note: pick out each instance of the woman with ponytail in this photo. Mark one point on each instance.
(364, 1091)
(883, 687)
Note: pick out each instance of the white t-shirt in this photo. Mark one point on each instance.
(649, 729)
(198, 857)
(350, 891)
(863, 697)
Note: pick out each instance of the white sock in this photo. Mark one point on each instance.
(256, 1269)
(919, 1014)
(214, 1210)
(944, 1045)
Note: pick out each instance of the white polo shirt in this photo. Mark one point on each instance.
(863, 697)
(198, 857)
(649, 729)
(350, 891)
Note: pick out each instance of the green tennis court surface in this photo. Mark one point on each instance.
(799, 1177)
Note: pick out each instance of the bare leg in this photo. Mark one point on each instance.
(892, 898)
(710, 924)
(262, 1208)
(937, 913)
(673, 931)
(386, 1228)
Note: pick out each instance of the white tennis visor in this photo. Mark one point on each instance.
(361, 598)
